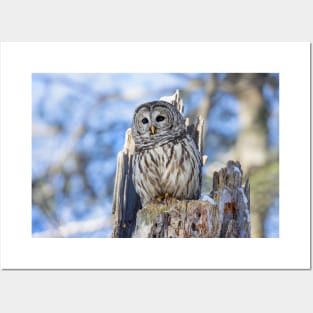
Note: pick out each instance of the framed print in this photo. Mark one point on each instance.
(65, 110)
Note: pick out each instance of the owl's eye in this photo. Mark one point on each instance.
(144, 120)
(160, 118)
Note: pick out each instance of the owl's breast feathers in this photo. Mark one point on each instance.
(172, 167)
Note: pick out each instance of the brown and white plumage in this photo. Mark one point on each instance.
(166, 159)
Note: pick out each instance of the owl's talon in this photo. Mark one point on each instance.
(163, 197)
(160, 198)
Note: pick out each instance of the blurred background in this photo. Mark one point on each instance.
(78, 127)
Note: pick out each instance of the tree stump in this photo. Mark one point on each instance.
(225, 213)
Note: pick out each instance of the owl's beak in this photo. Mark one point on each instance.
(152, 129)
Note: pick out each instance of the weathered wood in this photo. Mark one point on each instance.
(126, 202)
(175, 218)
(225, 215)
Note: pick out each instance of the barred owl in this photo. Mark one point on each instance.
(166, 161)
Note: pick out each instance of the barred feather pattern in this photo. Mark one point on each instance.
(168, 161)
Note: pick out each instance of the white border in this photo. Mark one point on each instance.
(18, 248)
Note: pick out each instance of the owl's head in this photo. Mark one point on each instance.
(157, 122)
